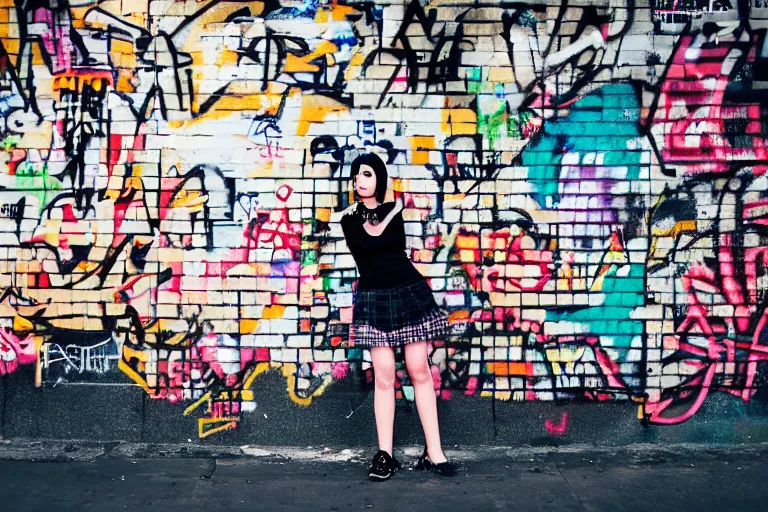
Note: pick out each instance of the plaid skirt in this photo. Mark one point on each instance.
(394, 317)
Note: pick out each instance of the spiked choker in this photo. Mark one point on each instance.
(369, 215)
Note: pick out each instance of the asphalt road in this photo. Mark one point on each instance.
(602, 481)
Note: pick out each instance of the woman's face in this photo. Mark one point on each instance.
(365, 182)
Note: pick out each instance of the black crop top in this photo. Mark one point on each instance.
(381, 260)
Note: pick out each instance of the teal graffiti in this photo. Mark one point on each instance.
(611, 319)
(605, 121)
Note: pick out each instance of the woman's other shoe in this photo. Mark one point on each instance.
(443, 469)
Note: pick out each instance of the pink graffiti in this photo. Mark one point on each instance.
(557, 428)
(15, 351)
(284, 193)
(699, 139)
(609, 367)
(175, 374)
(340, 370)
(212, 358)
(222, 356)
(724, 348)
(270, 151)
(56, 39)
(225, 409)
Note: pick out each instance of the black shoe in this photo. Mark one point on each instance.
(382, 467)
(443, 469)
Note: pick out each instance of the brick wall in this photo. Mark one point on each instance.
(584, 187)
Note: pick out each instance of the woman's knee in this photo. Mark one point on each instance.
(384, 375)
(419, 371)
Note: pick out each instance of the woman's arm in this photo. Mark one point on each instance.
(379, 228)
(349, 210)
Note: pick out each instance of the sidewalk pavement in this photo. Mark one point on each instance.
(59, 476)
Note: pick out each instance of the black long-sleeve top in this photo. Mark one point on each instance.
(381, 260)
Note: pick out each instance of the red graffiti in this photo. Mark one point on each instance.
(520, 252)
(273, 228)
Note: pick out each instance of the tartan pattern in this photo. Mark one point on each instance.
(433, 326)
(395, 316)
(388, 309)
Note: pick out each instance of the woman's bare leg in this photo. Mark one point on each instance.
(383, 359)
(417, 362)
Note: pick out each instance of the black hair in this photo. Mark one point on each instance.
(379, 168)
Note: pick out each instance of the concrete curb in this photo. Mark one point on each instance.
(82, 451)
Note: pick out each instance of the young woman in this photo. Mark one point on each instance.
(393, 308)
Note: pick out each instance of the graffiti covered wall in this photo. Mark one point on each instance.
(584, 184)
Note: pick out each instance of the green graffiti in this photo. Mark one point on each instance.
(9, 143)
(493, 125)
(36, 183)
(494, 118)
(501, 123)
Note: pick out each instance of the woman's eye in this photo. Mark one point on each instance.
(367, 174)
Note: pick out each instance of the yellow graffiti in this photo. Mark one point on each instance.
(228, 424)
(131, 373)
(260, 368)
(289, 372)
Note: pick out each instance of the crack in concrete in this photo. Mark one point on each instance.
(573, 491)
